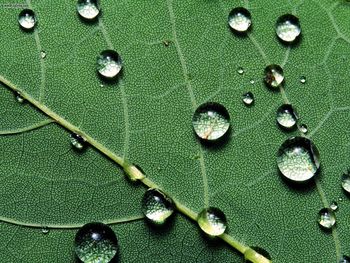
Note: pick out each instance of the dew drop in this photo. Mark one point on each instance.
(212, 221)
(345, 182)
(298, 159)
(303, 128)
(239, 19)
(345, 259)
(77, 141)
(334, 206)
(88, 9)
(288, 28)
(156, 206)
(45, 230)
(326, 218)
(252, 81)
(248, 98)
(302, 79)
(96, 243)
(27, 19)
(240, 71)
(19, 97)
(42, 54)
(274, 76)
(211, 121)
(286, 117)
(109, 64)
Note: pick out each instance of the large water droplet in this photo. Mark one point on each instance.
(27, 19)
(240, 19)
(77, 141)
(286, 117)
(248, 98)
(326, 218)
(96, 243)
(88, 9)
(274, 76)
(288, 28)
(211, 121)
(212, 221)
(109, 64)
(298, 159)
(156, 206)
(334, 206)
(345, 182)
(345, 259)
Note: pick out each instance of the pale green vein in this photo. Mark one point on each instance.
(259, 48)
(27, 128)
(185, 73)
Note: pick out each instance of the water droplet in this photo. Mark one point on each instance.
(274, 76)
(240, 71)
(96, 243)
(340, 199)
(27, 19)
(298, 159)
(19, 98)
(345, 259)
(109, 64)
(88, 9)
(302, 79)
(77, 141)
(248, 98)
(326, 218)
(240, 19)
(156, 206)
(288, 28)
(212, 221)
(43, 54)
(303, 128)
(286, 117)
(45, 230)
(345, 182)
(211, 121)
(334, 206)
(252, 81)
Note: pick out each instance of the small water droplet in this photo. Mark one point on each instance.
(96, 243)
(344, 259)
(109, 64)
(240, 71)
(345, 182)
(156, 206)
(211, 121)
(298, 159)
(252, 81)
(19, 97)
(240, 19)
(45, 230)
(274, 76)
(101, 85)
(248, 98)
(326, 218)
(212, 221)
(303, 128)
(302, 79)
(286, 117)
(77, 141)
(334, 206)
(27, 19)
(42, 54)
(340, 199)
(88, 9)
(288, 28)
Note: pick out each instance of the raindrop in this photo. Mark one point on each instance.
(109, 64)
(298, 159)
(302, 79)
(326, 218)
(345, 182)
(286, 117)
(156, 206)
(240, 71)
(252, 81)
(334, 206)
(248, 98)
(96, 243)
(42, 54)
(274, 76)
(345, 259)
(88, 9)
(212, 221)
(77, 141)
(240, 19)
(211, 121)
(288, 28)
(303, 128)
(27, 19)
(45, 230)
(19, 97)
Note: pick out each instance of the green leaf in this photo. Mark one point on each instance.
(145, 118)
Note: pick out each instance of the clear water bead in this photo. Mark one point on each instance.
(240, 71)
(27, 19)
(248, 98)
(302, 79)
(45, 230)
(156, 206)
(19, 97)
(274, 76)
(240, 19)
(42, 54)
(303, 128)
(286, 117)
(96, 243)
(88, 9)
(212, 221)
(298, 159)
(109, 64)
(77, 141)
(288, 28)
(211, 121)
(334, 206)
(326, 218)
(345, 182)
